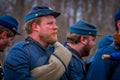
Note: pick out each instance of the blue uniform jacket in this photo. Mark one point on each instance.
(22, 58)
(104, 69)
(76, 67)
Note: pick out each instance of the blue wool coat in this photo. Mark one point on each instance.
(22, 58)
(104, 69)
(76, 67)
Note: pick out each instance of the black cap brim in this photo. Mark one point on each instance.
(55, 14)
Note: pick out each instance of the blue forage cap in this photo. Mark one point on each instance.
(39, 11)
(84, 28)
(117, 15)
(9, 22)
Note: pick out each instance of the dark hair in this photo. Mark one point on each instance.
(9, 32)
(74, 38)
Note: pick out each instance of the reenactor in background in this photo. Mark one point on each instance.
(8, 30)
(80, 40)
(107, 69)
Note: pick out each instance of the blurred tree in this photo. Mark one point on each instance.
(98, 12)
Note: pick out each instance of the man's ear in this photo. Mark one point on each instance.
(83, 40)
(35, 27)
(3, 35)
(118, 23)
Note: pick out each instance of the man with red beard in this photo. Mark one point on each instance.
(30, 59)
(80, 40)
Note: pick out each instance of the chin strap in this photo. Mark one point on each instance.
(57, 64)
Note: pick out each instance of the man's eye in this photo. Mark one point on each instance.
(50, 23)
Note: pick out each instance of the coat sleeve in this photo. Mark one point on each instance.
(16, 66)
(99, 68)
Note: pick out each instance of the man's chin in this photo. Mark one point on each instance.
(53, 42)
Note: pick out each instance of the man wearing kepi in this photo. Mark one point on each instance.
(80, 40)
(8, 30)
(30, 59)
(107, 69)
